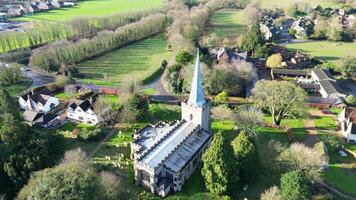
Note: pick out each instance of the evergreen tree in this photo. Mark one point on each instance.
(7, 103)
(217, 166)
(12, 132)
(294, 186)
(246, 156)
(253, 38)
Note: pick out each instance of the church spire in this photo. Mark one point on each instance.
(196, 96)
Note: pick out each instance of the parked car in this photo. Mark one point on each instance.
(326, 111)
(25, 69)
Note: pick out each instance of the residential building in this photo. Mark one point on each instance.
(166, 154)
(328, 85)
(347, 122)
(39, 101)
(47, 120)
(83, 111)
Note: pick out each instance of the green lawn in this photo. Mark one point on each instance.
(297, 126)
(325, 50)
(93, 8)
(137, 61)
(165, 112)
(341, 178)
(64, 96)
(325, 123)
(227, 23)
(286, 3)
(17, 88)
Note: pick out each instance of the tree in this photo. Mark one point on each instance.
(262, 52)
(251, 12)
(137, 104)
(253, 38)
(304, 159)
(13, 132)
(10, 75)
(62, 81)
(349, 66)
(294, 186)
(7, 103)
(280, 98)
(72, 179)
(271, 193)
(221, 98)
(246, 155)
(249, 119)
(217, 166)
(222, 112)
(184, 58)
(350, 100)
(274, 61)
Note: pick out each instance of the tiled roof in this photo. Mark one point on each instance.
(323, 74)
(291, 72)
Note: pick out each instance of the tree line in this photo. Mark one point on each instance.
(78, 28)
(52, 56)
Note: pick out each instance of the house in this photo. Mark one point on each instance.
(39, 101)
(83, 111)
(166, 154)
(227, 55)
(328, 85)
(47, 120)
(347, 122)
(268, 29)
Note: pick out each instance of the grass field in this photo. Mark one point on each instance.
(93, 8)
(326, 51)
(137, 61)
(227, 23)
(287, 3)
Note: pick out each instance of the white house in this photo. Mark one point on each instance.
(39, 102)
(328, 85)
(347, 121)
(83, 111)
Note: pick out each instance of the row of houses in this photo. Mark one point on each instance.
(19, 9)
(316, 81)
(43, 109)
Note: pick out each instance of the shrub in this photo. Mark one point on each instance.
(294, 186)
(221, 98)
(350, 100)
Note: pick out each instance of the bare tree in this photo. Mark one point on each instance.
(271, 193)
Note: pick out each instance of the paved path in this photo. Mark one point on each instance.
(312, 132)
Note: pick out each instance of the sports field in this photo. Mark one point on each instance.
(136, 61)
(226, 23)
(93, 8)
(325, 50)
(287, 3)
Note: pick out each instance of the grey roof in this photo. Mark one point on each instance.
(323, 74)
(290, 72)
(168, 145)
(196, 96)
(330, 87)
(186, 152)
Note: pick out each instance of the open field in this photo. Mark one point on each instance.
(137, 61)
(226, 23)
(287, 3)
(325, 50)
(93, 8)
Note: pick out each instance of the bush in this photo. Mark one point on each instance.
(294, 186)
(292, 32)
(184, 58)
(10, 75)
(221, 98)
(350, 100)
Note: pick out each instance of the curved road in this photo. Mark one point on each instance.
(39, 78)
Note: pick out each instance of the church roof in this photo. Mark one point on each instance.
(196, 96)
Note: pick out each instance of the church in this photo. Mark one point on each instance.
(166, 154)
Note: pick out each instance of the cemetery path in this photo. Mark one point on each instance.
(101, 143)
(312, 132)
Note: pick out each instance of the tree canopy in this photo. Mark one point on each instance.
(294, 186)
(253, 38)
(280, 98)
(217, 166)
(274, 61)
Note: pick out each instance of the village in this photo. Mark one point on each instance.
(178, 100)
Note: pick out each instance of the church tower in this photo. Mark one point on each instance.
(197, 109)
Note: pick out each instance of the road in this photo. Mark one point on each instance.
(39, 78)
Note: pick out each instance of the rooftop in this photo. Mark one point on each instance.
(323, 74)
